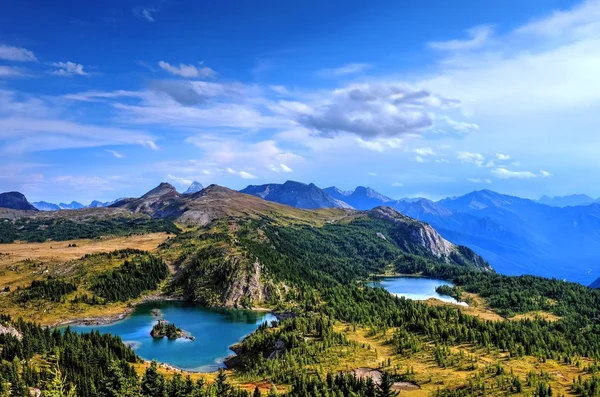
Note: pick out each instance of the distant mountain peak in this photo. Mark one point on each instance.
(571, 200)
(335, 190)
(194, 188)
(296, 194)
(15, 201)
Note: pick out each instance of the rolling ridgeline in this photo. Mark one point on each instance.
(238, 250)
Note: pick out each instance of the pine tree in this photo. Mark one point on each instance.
(222, 387)
(153, 383)
(385, 388)
(257, 392)
(57, 387)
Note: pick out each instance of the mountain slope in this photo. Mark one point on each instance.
(15, 201)
(295, 194)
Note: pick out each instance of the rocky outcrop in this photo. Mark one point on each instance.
(431, 240)
(417, 233)
(7, 329)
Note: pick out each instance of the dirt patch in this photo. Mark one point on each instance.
(364, 372)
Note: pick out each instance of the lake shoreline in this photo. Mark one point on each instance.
(110, 319)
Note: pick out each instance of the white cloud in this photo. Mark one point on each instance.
(371, 173)
(504, 173)
(397, 184)
(9, 53)
(10, 72)
(419, 159)
(148, 144)
(241, 174)
(379, 145)
(469, 157)
(348, 69)
(461, 127)
(545, 174)
(442, 161)
(478, 180)
(86, 183)
(179, 180)
(424, 151)
(115, 154)
(68, 69)
(478, 36)
(371, 110)
(230, 153)
(31, 135)
(502, 156)
(188, 71)
(279, 168)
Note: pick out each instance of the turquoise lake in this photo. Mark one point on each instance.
(416, 288)
(215, 331)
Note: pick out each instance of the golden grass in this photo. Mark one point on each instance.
(21, 263)
(59, 251)
(536, 314)
(429, 376)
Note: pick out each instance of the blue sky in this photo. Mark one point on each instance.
(100, 100)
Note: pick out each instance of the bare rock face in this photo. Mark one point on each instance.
(419, 233)
(246, 286)
(428, 238)
(6, 329)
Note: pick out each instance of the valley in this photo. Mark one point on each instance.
(231, 261)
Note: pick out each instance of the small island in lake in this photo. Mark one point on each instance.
(163, 328)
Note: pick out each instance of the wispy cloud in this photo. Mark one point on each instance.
(479, 180)
(504, 173)
(10, 72)
(115, 154)
(241, 174)
(68, 69)
(469, 157)
(477, 37)
(146, 13)
(17, 54)
(179, 180)
(345, 70)
(188, 71)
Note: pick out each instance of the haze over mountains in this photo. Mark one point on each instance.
(516, 235)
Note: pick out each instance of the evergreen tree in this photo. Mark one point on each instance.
(153, 383)
(257, 392)
(221, 385)
(57, 386)
(385, 388)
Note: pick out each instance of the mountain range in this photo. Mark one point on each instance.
(296, 194)
(515, 235)
(73, 205)
(568, 201)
